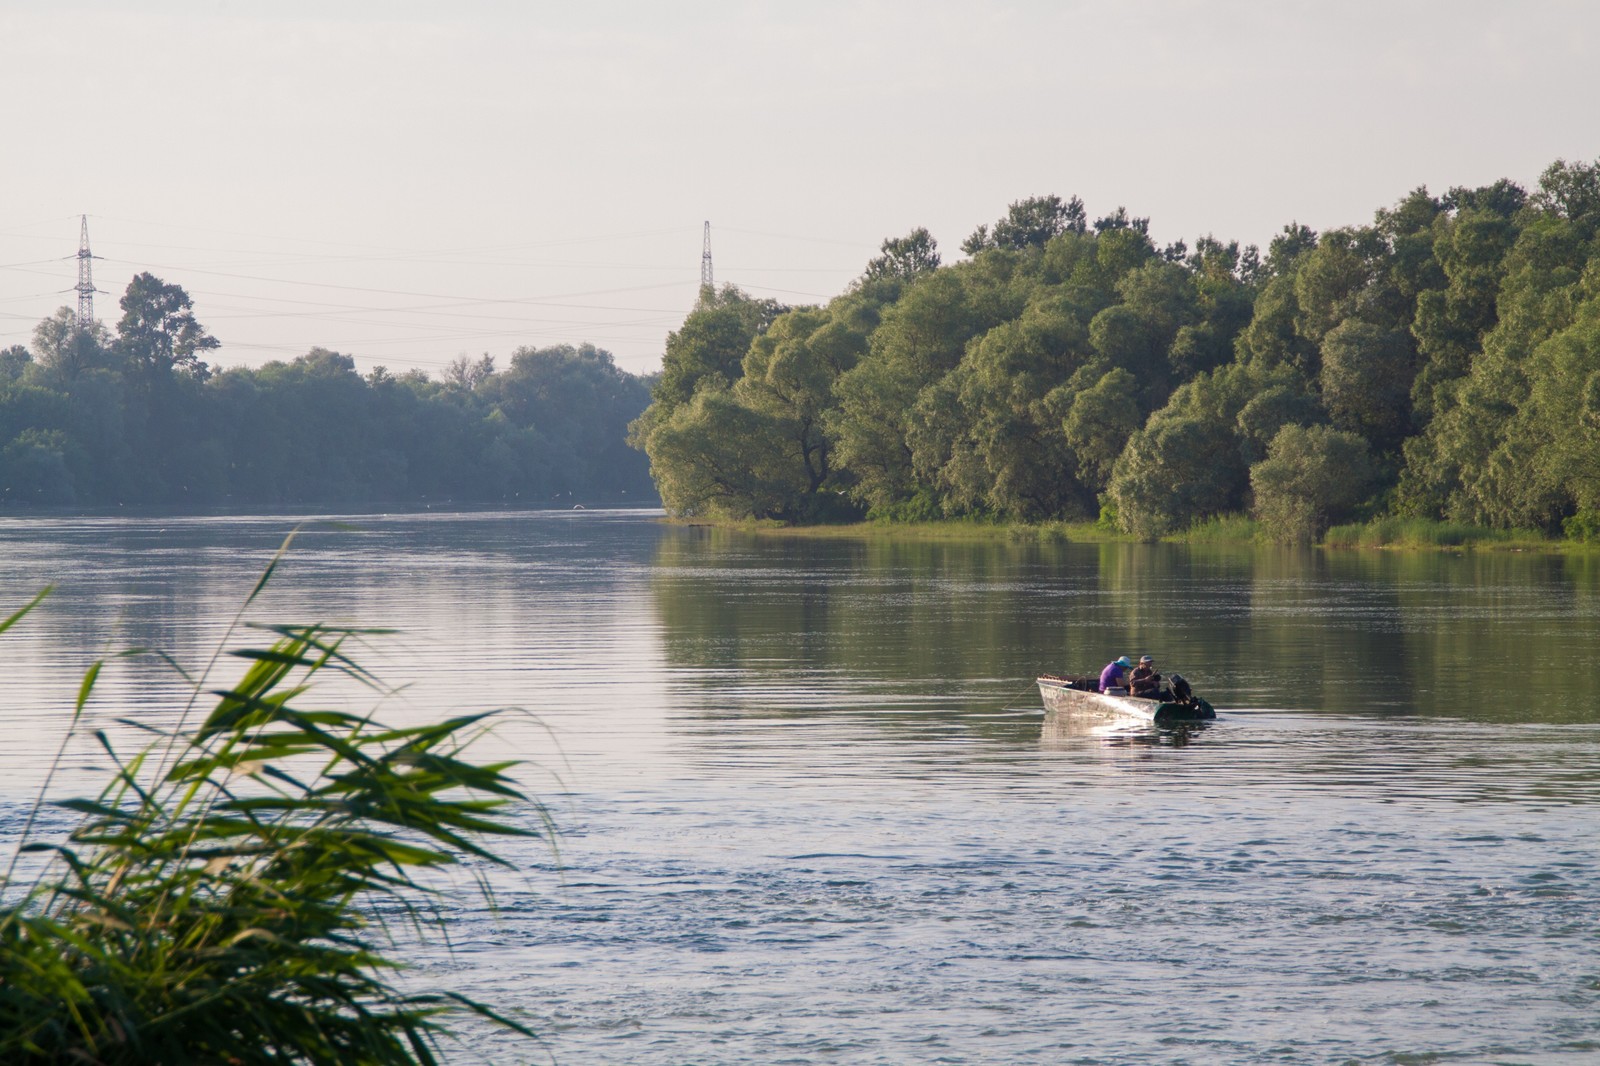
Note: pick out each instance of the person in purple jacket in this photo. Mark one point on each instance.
(1114, 678)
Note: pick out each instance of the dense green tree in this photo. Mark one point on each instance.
(905, 258)
(717, 456)
(96, 422)
(14, 362)
(1175, 469)
(1099, 423)
(1284, 250)
(1273, 338)
(36, 468)
(467, 374)
(711, 343)
(869, 426)
(1366, 381)
(1345, 276)
(1191, 459)
(1311, 477)
(1011, 395)
(1545, 463)
(1120, 219)
(158, 333)
(63, 349)
(1187, 461)
(559, 407)
(789, 375)
(1471, 248)
(1283, 397)
(1461, 465)
(1030, 223)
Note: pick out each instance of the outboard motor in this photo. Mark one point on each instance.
(1181, 692)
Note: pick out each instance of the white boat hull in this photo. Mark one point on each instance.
(1059, 696)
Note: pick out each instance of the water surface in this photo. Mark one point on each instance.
(811, 811)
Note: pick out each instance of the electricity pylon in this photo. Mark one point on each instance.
(707, 286)
(85, 286)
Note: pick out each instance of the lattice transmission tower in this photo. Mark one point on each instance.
(85, 287)
(707, 286)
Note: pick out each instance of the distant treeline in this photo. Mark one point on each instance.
(1442, 362)
(92, 418)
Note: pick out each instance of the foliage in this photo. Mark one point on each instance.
(91, 419)
(158, 333)
(711, 344)
(1394, 531)
(1311, 476)
(220, 899)
(1222, 529)
(1030, 223)
(1583, 526)
(1456, 336)
(905, 258)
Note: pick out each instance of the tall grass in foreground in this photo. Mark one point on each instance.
(218, 900)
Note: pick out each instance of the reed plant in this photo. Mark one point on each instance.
(236, 892)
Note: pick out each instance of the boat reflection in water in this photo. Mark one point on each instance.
(1063, 730)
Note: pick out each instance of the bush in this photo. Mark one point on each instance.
(1583, 526)
(1400, 531)
(924, 506)
(1310, 474)
(1222, 529)
(213, 903)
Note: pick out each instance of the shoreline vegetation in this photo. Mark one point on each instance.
(1430, 378)
(1394, 534)
(136, 417)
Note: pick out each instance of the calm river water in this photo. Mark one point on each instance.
(811, 812)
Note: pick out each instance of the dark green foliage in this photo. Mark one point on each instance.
(216, 902)
(1312, 476)
(140, 419)
(1453, 337)
(905, 258)
(1031, 223)
(1189, 460)
(711, 344)
(1366, 381)
(158, 333)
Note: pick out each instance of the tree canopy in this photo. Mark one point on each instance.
(138, 417)
(1443, 360)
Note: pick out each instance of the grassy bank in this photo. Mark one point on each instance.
(1413, 534)
(1425, 533)
(955, 529)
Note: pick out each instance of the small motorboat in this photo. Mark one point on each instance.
(1081, 696)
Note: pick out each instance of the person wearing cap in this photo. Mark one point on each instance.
(1145, 682)
(1114, 678)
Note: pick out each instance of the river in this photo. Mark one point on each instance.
(810, 810)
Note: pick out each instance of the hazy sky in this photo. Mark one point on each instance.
(408, 182)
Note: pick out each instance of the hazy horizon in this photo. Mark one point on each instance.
(405, 185)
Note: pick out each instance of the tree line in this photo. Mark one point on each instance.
(1442, 361)
(92, 417)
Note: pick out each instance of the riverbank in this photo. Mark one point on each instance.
(1406, 534)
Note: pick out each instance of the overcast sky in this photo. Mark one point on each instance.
(408, 182)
